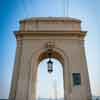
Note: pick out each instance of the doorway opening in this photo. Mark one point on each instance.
(50, 85)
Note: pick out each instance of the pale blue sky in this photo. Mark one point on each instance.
(50, 84)
(11, 11)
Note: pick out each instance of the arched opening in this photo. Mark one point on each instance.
(37, 59)
(50, 85)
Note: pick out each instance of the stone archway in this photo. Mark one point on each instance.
(61, 56)
(68, 37)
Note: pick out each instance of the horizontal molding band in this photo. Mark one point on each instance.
(50, 33)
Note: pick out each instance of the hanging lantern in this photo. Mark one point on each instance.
(50, 66)
(50, 63)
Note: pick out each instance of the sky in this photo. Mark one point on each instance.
(11, 11)
(54, 81)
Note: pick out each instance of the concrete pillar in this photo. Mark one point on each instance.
(16, 69)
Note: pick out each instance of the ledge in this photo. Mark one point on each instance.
(50, 33)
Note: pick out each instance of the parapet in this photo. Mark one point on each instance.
(50, 24)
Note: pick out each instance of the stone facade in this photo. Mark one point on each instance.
(67, 39)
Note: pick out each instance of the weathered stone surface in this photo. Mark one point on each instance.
(68, 46)
(50, 23)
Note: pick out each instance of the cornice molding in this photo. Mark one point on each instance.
(50, 33)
